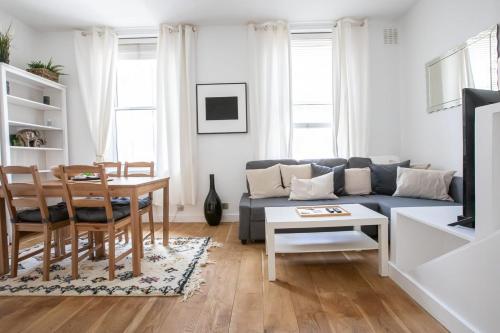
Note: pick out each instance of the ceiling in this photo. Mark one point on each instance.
(68, 14)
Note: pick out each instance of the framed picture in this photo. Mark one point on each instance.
(221, 108)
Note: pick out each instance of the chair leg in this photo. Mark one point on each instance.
(151, 224)
(57, 242)
(47, 240)
(111, 252)
(141, 233)
(74, 251)
(14, 251)
(62, 238)
(126, 234)
(90, 239)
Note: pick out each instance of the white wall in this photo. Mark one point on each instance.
(24, 38)
(221, 57)
(59, 46)
(384, 136)
(428, 30)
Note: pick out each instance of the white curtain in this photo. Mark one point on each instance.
(96, 56)
(269, 46)
(175, 116)
(350, 93)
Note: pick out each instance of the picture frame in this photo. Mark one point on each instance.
(221, 108)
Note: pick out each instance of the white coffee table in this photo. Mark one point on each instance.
(355, 240)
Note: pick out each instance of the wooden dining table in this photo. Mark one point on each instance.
(131, 187)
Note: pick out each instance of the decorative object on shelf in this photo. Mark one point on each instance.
(213, 205)
(46, 100)
(14, 141)
(5, 41)
(49, 70)
(30, 138)
(221, 108)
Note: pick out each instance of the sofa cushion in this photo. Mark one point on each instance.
(457, 189)
(316, 188)
(424, 184)
(300, 171)
(358, 181)
(386, 203)
(359, 162)
(257, 206)
(383, 177)
(338, 175)
(266, 183)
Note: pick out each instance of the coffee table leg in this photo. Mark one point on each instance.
(383, 250)
(271, 256)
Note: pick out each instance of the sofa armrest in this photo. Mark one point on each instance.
(245, 204)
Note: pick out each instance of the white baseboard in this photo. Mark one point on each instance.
(198, 218)
(447, 317)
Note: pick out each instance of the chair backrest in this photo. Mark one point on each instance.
(117, 166)
(93, 193)
(139, 165)
(25, 194)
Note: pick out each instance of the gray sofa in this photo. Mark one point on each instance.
(252, 214)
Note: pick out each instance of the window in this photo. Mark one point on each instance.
(311, 62)
(135, 100)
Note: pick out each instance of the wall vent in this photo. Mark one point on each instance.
(391, 36)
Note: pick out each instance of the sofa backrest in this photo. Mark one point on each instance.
(262, 164)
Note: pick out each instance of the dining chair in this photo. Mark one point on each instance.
(143, 169)
(116, 171)
(92, 209)
(29, 212)
(115, 166)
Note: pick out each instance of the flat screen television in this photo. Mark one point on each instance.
(471, 99)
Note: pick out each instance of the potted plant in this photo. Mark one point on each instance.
(5, 41)
(47, 70)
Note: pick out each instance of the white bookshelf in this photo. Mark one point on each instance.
(23, 108)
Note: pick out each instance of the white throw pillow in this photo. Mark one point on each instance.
(320, 187)
(358, 181)
(301, 171)
(265, 183)
(421, 183)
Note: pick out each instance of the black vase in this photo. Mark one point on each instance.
(213, 205)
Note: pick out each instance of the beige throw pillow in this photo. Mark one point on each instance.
(358, 181)
(320, 187)
(301, 171)
(265, 183)
(421, 183)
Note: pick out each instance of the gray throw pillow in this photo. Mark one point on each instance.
(384, 177)
(338, 176)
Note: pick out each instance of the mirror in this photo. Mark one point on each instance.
(473, 64)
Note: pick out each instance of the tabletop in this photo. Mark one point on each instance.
(360, 215)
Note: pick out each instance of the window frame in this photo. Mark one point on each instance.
(116, 108)
(326, 34)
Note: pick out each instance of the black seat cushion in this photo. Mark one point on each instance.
(57, 213)
(143, 202)
(121, 209)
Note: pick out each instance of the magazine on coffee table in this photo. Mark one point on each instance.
(318, 211)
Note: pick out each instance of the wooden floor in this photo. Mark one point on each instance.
(337, 292)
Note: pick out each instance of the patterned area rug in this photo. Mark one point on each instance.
(172, 271)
